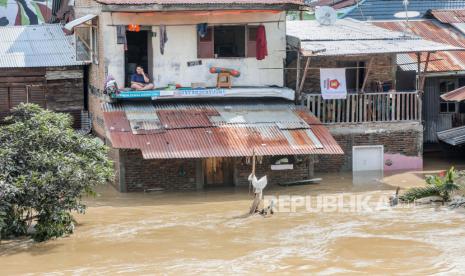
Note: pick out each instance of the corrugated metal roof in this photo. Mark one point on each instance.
(36, 46)
(385, 9)
(193, 130)
(428, 29)
(200, 2)
(454, 136)
(456, 95)
(449, 16)
(336, 4)
(352, 37)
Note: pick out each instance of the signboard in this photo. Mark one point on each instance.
(333, 83)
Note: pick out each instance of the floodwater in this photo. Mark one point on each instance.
(199, 232)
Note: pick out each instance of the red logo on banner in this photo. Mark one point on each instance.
(334, 84)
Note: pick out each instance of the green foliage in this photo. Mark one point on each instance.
(437, 185)
(45, 168)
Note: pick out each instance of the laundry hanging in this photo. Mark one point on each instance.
(163, 38)
(262, 49)
(202, 29)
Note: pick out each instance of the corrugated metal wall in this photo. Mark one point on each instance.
(434, 120)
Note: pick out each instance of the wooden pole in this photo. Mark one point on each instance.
(418, 70)
(366, 75)
(297, 77)
(425, 70)
(304, 77)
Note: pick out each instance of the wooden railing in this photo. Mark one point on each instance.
(366, 107)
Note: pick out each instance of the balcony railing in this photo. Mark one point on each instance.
(366, 107)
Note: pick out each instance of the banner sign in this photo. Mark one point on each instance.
(333, 83)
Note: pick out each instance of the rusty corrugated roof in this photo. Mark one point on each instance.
(201, 2)
(232, 129)
(456, 95)
(428, 29)
(449, 16)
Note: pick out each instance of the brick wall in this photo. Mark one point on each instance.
(140, 174)
(303, 169)
(402, 138)
(383, 70)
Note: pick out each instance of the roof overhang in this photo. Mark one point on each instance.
(456, 95)
(175, 130)
(79, 21)
(372, 47)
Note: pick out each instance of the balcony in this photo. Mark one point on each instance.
(366, 107)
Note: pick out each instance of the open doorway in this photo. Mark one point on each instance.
(138, 53)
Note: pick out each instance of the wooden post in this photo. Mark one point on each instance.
(425, 70)
(366, 75)
(304, 77)
(418, 70)
(297, 77)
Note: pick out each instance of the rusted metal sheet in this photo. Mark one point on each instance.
(428, 29)
(189, 133)
(456, 95)
(199, 2)
(449, 16)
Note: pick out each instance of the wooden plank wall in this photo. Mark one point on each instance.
(60, 89)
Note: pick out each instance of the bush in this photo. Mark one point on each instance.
(45, 168)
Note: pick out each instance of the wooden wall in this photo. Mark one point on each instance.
(59, 88)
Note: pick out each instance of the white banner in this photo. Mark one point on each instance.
(333, 83)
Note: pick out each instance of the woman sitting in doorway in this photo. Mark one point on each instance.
(140, 81)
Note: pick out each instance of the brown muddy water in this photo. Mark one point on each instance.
(198, 233)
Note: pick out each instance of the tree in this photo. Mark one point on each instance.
(442, 185)
(45, 169)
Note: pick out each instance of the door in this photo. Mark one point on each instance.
(218, 172)
(368, 158)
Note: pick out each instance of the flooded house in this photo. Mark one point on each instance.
(377, 123)
(218, 95)
(445, 71)
(39, 64)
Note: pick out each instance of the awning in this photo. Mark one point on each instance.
(79, 21)
(456, 95)
(352, 37)
(216, 129)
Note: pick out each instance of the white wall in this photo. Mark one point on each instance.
(182, 47)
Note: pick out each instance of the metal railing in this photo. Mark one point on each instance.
(366, 107)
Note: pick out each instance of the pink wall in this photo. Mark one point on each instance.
(393, 162)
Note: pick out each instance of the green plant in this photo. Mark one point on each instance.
(441, 185)
(45, 169)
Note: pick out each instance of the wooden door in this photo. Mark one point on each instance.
(214, 171)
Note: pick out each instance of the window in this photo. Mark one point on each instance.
(444, 87)
(228, 41)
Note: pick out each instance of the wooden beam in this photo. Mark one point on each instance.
(297, 77)
(367, 74)
(425, 70)
(304, 77)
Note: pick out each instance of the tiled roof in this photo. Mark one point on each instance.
(216, 129)
(201, 2)
(36, 46)
(430, 30)
(385, 9)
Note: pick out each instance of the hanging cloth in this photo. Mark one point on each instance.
(163, 38)
(262, 50)
(202, 29)
(121, 36)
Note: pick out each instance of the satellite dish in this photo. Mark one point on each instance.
(325, 15)
(406, 14)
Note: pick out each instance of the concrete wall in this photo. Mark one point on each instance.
(403, 145)
(182, 47)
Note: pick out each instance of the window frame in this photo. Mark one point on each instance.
(448, 104)
(208, 52)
